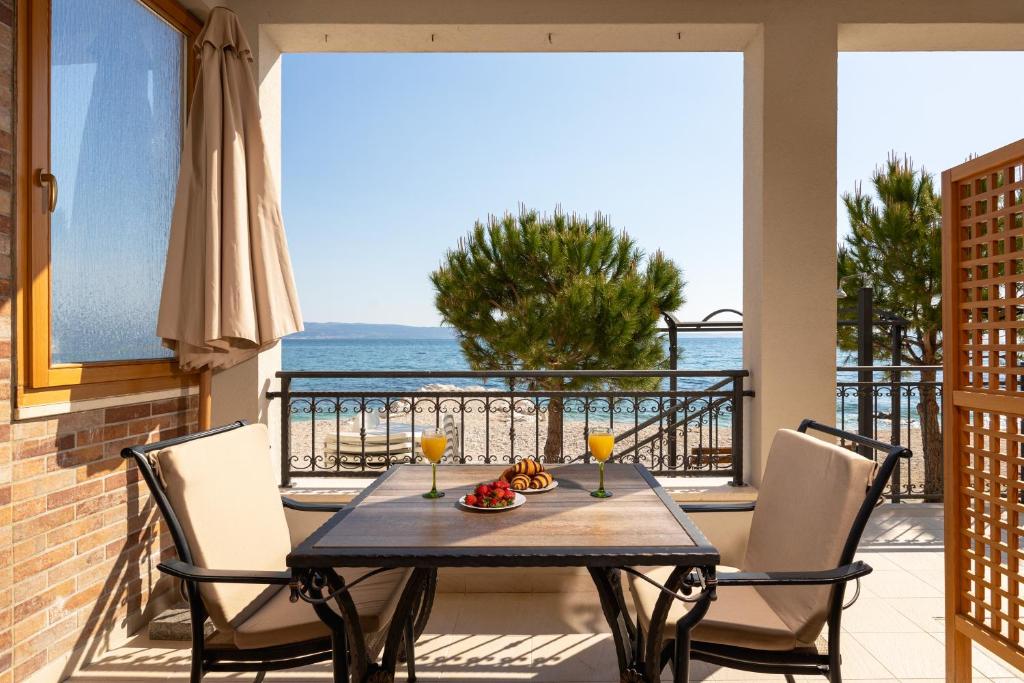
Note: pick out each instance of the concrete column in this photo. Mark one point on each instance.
(789, 228)
(239, 393)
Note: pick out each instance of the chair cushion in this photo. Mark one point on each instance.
(225, 496)
(740, 616)
(280, 621)
(809, 496)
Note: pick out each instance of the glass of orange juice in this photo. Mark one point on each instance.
(433, 443)
(601, 442)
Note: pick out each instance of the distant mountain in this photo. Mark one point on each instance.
(371, 331)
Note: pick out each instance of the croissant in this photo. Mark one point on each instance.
(528, 467)
(540, 480)
(520, 482)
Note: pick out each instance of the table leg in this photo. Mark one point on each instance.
(352, 657)
(640, 654)
(698, 607)
(624, 632)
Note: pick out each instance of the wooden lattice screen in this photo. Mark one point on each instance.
(983, 339)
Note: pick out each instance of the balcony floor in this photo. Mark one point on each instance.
(894, 632)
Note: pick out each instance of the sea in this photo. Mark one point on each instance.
(703, 351)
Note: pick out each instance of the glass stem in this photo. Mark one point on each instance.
(433, 477)
(600, 469)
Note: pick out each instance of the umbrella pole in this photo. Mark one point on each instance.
(205, 399)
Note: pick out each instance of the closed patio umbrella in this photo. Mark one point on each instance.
(228, 290)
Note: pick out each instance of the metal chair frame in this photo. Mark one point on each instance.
(800, 661)
(208, 657)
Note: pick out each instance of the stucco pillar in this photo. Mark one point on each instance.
(239, 393)
(789, 229)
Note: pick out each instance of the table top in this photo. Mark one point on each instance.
(390, 524)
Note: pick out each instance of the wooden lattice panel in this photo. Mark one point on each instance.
(983, 318)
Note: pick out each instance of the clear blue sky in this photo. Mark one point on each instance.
(389, 158)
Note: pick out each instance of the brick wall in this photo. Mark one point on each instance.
(85, 538)
(79, 539)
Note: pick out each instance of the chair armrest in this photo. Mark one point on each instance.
(184, 570)
(299, 505)
(825, 577)
(747, 506)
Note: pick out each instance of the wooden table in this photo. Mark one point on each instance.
(390, 525)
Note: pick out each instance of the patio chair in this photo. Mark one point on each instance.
(812, 507)
(220, 501)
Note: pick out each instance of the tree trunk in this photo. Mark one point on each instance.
(931, 437)
(553, 441)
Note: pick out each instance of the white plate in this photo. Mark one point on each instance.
(516, 502)
(552, 485)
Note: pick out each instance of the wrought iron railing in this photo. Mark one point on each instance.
(896, 399)
(359, 423)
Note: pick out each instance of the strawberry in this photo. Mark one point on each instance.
(501, 485)
(483, 490)
(471, 499)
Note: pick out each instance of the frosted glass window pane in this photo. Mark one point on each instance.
(115, 133)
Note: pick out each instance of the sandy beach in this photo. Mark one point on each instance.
(508, 435)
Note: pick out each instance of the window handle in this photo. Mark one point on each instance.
(50, 180)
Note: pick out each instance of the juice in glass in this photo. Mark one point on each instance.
(433, 443)
(601, 443)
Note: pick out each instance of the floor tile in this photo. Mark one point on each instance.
(928, 614)
(894, 631)
(911, 655)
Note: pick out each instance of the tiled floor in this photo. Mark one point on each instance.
(894, 632)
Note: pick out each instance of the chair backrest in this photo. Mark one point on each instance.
(224, 499)
(811, 496)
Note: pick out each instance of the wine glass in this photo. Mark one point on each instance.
(433, 443)
(601, 442)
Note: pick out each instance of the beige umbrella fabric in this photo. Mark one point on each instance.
(228, 289)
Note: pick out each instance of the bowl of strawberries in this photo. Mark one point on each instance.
(493, 496)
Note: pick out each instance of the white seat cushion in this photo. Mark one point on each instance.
(740, 616)
(810, 495)
(280, 621)
(224, 494)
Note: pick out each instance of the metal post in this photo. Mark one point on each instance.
(896, 410)
(673, 385)
(737, 432)
(865, 358)
(286, 430)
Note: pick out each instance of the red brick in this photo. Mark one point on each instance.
(125, 413)
(28, 508)
(93, 505)
(43, 523)
(170, 405)
(74, 494)
(43, 562)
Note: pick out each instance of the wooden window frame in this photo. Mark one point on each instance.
(39, 380)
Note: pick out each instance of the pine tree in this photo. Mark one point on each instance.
(560, 292)
(895, 246)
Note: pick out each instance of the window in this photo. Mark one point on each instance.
(104, 110)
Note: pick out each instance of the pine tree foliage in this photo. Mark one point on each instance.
(895, 246)
(556, 292)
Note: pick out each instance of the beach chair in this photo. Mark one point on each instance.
(367, 440)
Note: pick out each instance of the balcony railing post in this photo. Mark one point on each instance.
(673, 385)
(286, 430)
(895, 414)
(737, 432)
(865, 359)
